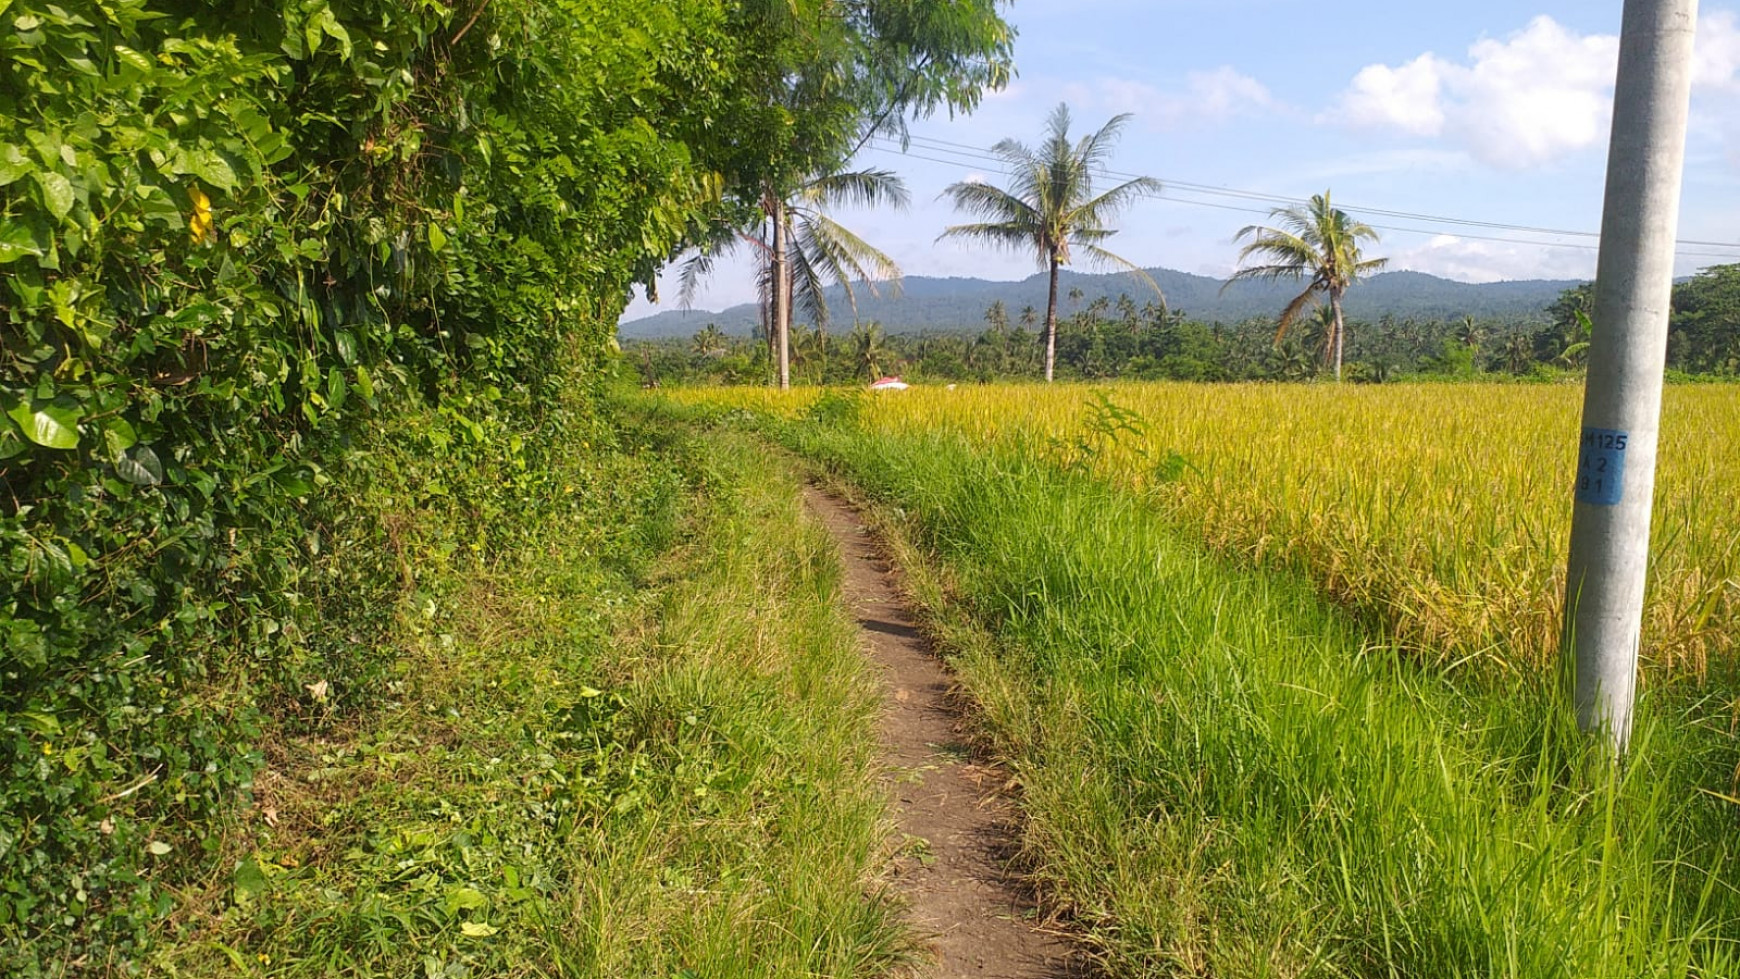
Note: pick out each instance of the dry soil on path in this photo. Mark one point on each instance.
(958, 825)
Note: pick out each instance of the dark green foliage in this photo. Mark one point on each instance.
(238, 242)
(1705, 335)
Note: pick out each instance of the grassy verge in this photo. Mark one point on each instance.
(639, 744)
(1225, 775)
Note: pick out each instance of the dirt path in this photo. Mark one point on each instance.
(957, 824)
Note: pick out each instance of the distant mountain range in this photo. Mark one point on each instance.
(945, 305)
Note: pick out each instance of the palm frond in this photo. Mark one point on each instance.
(1010, 235)
(1095, 147)
(1294, 308)
(833, 254)
(859, 188)
(1100, 210)
(1103, 257)
(992, 203)
(689, 275)
(808, 288)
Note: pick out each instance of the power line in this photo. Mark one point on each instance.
(985, 154)
(960, 153)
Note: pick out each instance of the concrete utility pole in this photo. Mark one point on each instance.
(1627, 357)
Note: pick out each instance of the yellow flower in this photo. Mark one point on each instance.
(199, 224)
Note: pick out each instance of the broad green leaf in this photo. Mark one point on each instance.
(132, 58)
(248, 881)
(140, 466)
(336, 31)
(57, 193)
(40, 721)
(437, 237)
(118, 436)
(465, 898)
(335, 387)
(296, 484)
(345, 344)
(212, 168)
(13, 163)
(51, 426)
(477, 929)
(17, 242)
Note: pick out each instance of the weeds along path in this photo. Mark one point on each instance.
(641, 744)
(957, 824)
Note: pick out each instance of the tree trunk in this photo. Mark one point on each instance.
(781, 296)
(1340, 329)
(1051, 323)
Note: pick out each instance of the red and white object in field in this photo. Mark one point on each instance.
(890, 384)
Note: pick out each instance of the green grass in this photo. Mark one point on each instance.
(1224, 775)
(640, 746)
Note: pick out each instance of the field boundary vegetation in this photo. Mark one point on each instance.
(641, 746)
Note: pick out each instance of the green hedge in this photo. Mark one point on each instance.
(233, 237)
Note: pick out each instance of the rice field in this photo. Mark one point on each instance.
(1442, 510)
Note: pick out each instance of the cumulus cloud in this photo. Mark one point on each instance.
(1716, 62)
(1525, 100)
(1466, 260)
(1207, 97)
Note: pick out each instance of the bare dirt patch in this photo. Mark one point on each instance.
(959, 825)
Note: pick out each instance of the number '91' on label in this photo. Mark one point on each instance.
(1601, 466)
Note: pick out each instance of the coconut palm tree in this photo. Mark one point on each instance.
(1518, 353)
(1051, 208)
(801, 251)
(869, 348)
(710, 342)
(1314, 242)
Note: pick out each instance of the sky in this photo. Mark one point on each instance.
(1480, 110)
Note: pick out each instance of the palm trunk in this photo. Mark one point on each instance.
(1051, 323)
(781, 297)
(1340, 329)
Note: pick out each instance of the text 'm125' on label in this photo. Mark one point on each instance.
(1601, 466)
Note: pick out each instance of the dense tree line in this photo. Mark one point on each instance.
(1108, 338)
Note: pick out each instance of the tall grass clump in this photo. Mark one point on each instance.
(1226, 775)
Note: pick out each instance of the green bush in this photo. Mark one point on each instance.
(234, 239)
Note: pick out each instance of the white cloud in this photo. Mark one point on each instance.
(1409, 98)
(1716, 62)
(1523, 101)
(1207, 97)
(1526, 100)
(1532, 98)
(1468, 260)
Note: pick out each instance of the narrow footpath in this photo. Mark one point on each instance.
(957, 824)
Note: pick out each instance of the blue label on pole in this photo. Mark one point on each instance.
(1601, 466)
